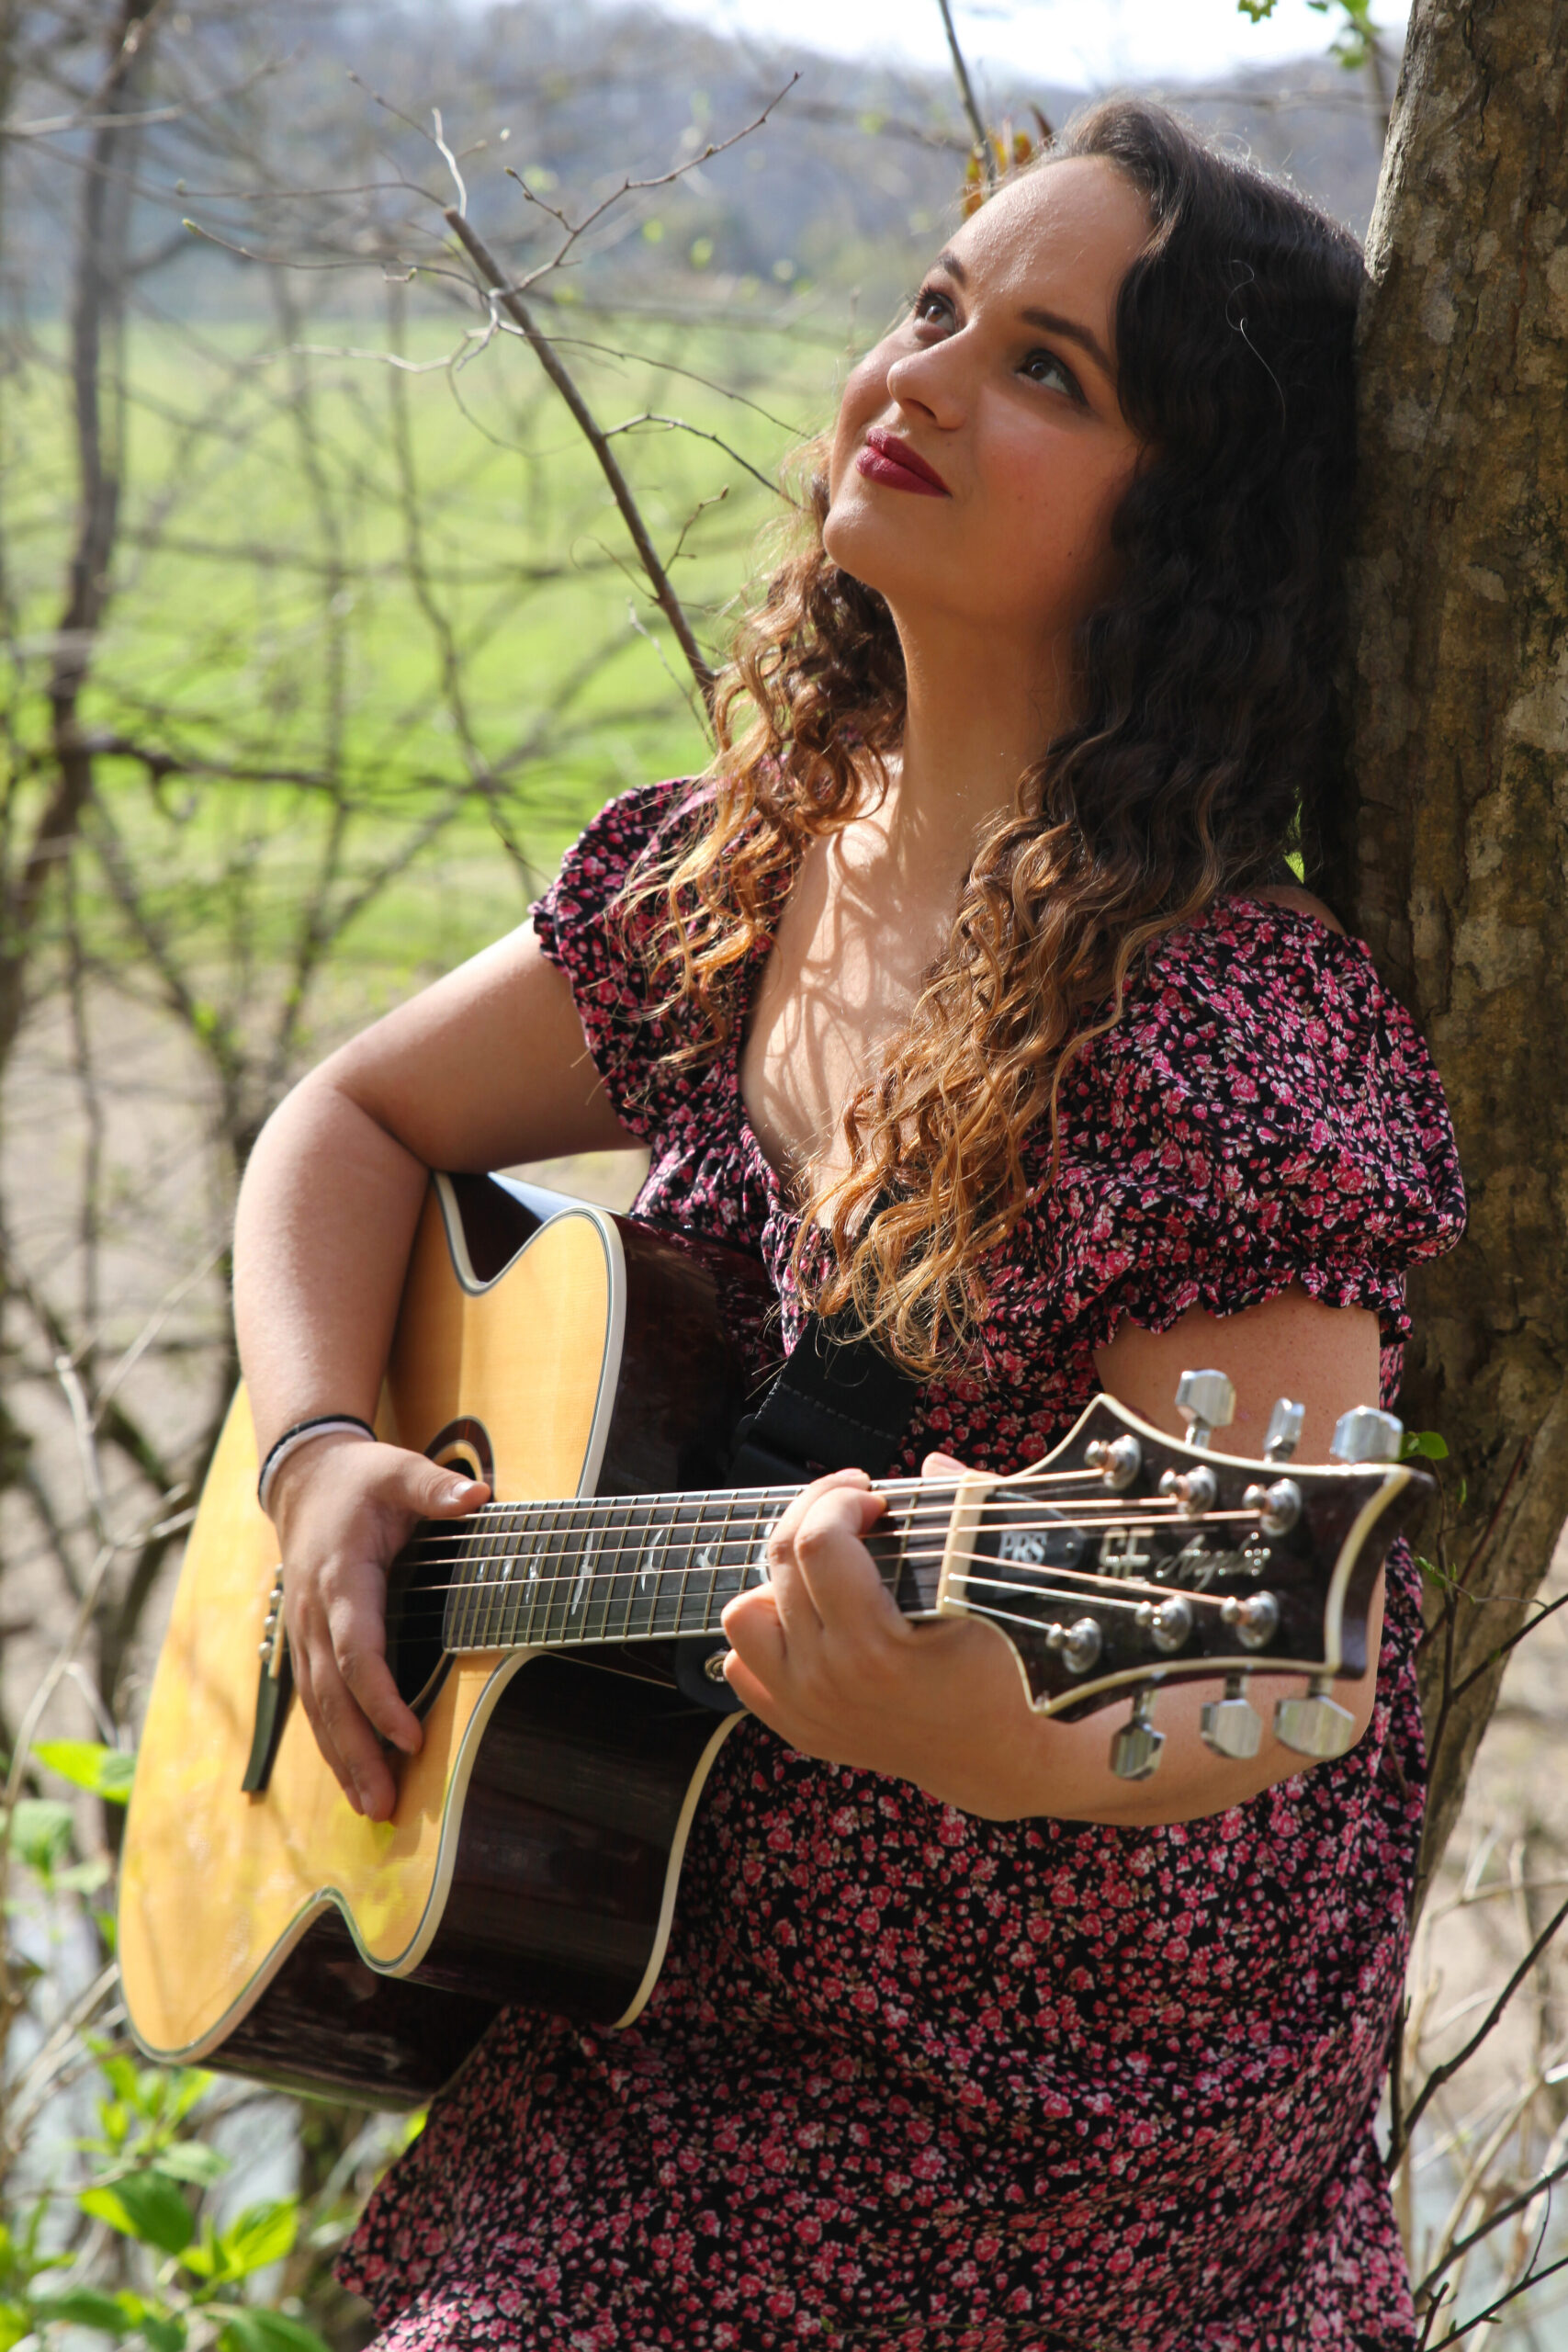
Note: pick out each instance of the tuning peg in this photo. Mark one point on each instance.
(1135, 1751)
(1364, 1434)
(1284, 1430)
(1317, 1726)
(1206, 1402)
(1231, 1726)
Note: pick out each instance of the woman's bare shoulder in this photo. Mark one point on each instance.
(1301, 903)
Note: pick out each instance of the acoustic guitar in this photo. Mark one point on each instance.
(558, 1646)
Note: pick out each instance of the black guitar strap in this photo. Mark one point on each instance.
(839, 1404)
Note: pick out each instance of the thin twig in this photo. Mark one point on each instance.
(499, 290)
(983, 146)
(1450, 2066)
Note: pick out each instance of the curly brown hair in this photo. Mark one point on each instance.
(1205, 730)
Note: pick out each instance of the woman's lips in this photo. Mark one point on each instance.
(892, 462)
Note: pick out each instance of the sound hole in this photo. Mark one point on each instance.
(418, 1581)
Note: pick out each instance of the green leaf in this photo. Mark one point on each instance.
(192, 2160)
(14, 2323)
(262, 2234)
(85, 2307)
(164, 2332)
(258, 2331)
(42, 1830)
(88, 1764)
(1424, 1444)
(144, 2206)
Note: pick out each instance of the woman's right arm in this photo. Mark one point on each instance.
(484, 1070)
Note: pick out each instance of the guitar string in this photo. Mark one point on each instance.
(1134, 1518)
(1126, 1600)
(462, 1538)
(630, 1541)
(429, 1604)
(1020, 1483)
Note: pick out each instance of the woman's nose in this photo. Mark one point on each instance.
(931, 381)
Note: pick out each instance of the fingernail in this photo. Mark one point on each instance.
(461, 1489)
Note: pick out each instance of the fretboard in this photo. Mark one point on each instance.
(636, 1567)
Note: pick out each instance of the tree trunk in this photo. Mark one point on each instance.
(1449, 854)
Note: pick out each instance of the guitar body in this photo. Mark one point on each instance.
(553, 1643)
(536, 1844)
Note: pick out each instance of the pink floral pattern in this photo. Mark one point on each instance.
(914, 2080)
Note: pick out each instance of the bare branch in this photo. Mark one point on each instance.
(983, 147)
(496, 284)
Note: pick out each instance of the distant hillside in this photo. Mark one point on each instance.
(845, 189)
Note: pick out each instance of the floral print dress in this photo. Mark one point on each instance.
(911, 2079)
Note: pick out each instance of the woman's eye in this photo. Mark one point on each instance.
(1044, 368)
(932, 306)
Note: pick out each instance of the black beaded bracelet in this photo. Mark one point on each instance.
(317, 1426)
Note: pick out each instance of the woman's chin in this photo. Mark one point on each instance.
(873, 549)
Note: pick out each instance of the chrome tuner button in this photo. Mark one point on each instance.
(1229, 1726)
(1277, 1507)
(1081, 1645)
(1317, 1726)
(1135, 1749)
(1284, 1431)
(1117, 1459)
(1206, 1402)
(1193, 1490)
(1255, 1619)
(1171, 1623)
(1365, 1435)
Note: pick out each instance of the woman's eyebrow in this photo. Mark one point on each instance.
(1052, 321)
(1054, 324)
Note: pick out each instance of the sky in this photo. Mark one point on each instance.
(1085, 43)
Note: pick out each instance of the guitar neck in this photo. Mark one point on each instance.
(643, 1567)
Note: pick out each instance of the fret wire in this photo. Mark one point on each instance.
(600, 1632)
(471, 1558)
(451, 1608)
(482, 1554)
(544, 1585)
(711, 1613)
(503, 1582)
(537, 1563)
(520, 1584)
(661, 1570)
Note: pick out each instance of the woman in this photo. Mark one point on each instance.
(961, 2039)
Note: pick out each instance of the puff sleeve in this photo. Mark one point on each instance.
(581, 934)
(1264, 1113)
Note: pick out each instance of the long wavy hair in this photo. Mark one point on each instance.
(1203, 728)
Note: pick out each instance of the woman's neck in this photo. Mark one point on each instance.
(977, 717)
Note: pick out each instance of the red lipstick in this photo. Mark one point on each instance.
(892, 462)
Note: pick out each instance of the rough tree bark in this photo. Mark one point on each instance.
(1451, 858)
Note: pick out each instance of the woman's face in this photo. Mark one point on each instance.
(980, 453)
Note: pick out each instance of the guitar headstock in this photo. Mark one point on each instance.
(1128, 1559)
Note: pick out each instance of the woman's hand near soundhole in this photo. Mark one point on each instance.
(343, 1509)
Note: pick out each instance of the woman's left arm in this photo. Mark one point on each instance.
(824, 1657)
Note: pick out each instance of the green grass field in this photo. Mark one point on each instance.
(381, 617)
